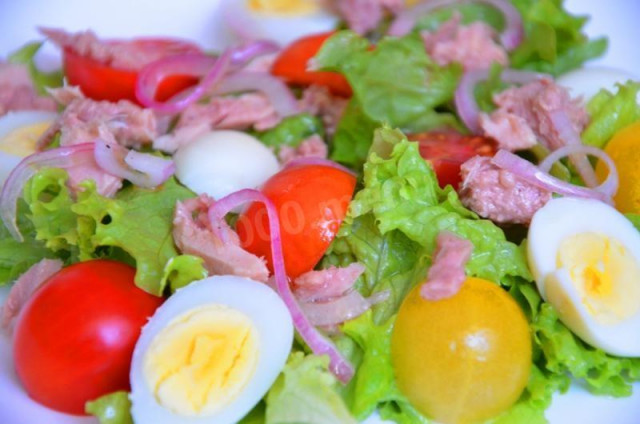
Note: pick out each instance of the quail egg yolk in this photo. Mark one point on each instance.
(280, 7)
(22, 141)
(604, 273)
(202, 360)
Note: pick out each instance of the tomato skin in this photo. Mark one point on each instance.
(99, 81)
(446, 151)
(75, 337)
(312, 201)
(291, 65)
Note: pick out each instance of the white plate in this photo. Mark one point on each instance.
(200, 20)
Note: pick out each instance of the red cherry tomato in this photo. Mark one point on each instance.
(104, 82)
(291, 65)
(448, 150)
(311, 201)
(75, 337)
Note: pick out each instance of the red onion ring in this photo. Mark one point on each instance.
(150, 77)
(142, 169)
(465, 99)
(278, 93)
(62, 157)
(511, 36)
(535, 176)
(609, 187)
(316, 341)
(341, 309)
(308, 161)
(563, 126)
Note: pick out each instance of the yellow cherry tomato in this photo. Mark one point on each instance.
(463, 359)
(624, 149)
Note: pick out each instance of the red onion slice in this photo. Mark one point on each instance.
(564, 127)
(307, 161)
(278, 93)
(212, 70)
(465, 99)
(533, 175)
(511, 36)
(609, 187)
(142, 169)
(319, 344)
(243, 54)
(341, 309)
(62, 157)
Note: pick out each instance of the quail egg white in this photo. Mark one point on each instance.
(585, 258)
(209, 353)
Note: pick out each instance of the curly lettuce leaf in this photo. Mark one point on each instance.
(554, 40)
(182, 270)
(134, 227)
(41, 80)
(306, 393)
(113, 408)
(17, 257)
(395, 83)
(611, 112)
(50, 201)
(138, 221)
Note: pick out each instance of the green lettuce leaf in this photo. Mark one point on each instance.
(554, 42)
(50, 201)
(182, 270)
(564, 353)
(41, 80)
(611, 112)
(113, 408)
(291, 131)
(138, 221)
(134, 227)
(306, 393)
(17, 257)
(395, 83)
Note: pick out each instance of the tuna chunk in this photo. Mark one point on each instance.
(312, 147)
(118, 54)
(528, 111)
(446, 274)
(131, 125)
(498, 194)
(472, 46)
(317, 100)
(17, 91)
(221, 251)
(363, 16)
(326, 283)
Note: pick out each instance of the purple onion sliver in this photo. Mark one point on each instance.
(62, 157)
(533, 175)
(243, 54)
(212, 71)
(316, 341)
(306, 161)
(609, 187)
(465, 99)
(142, 169)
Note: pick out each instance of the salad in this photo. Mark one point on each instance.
(400, 209)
